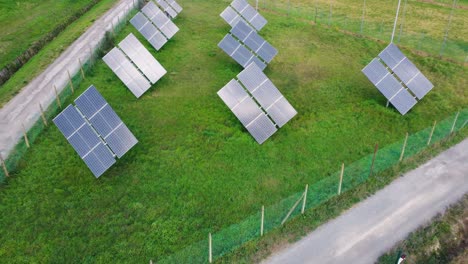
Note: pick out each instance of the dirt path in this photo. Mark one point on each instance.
(24, 107)
(372, 227)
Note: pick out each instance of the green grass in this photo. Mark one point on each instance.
(51, 51)
(196, 170)
(441, 241)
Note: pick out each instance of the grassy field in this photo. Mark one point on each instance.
(51, 51)
(24, 22)
(423, 23)
(196, 170)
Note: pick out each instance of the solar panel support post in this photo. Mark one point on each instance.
(432, 133)
(44, 119)
(81, 69)
(57, 97)
(402, 21)
(373, 159)
(448, 28)
(26, 140)
(305, 199)
(404, 147)
(396, 20)
(454, 122)
(262, 220)
(341, 178)
(5, 170)
(71, 82)
(210, 249)
(256, 5)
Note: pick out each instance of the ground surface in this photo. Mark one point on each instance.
(196, 170)
(372, 227)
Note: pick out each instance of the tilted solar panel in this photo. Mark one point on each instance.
(167, 27)
(167, 8)
(148, 30)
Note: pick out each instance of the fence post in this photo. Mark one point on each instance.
(454, 122)
(81, 69)
(402, 21)
(210, 249)
(404, 147)
(330, 15)
(151, 261)
(363, 15)
(71, 83)
(4, 166)
(256, 5)
(305, 199)
(292, 209)
(44, 119)
(262, 221)
(341, 178)
(26, 140)
(432, 133)
(57, 97)
(447, 29)
(373, 159)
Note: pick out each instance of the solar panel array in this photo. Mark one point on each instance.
(260, 106)
(95, 131)
(240, 10)
(134, 65)
(397, 78)
(160, 20)
(171, 7)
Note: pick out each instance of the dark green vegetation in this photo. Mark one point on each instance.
(196, 170)
(443, 241)
(13, 38)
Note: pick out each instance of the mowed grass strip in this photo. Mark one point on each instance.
(196, 169)
(51, 51)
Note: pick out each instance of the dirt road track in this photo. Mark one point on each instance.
(372, 227)
(24, 107)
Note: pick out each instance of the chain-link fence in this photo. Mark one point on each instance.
(436, 28)
(228, 239)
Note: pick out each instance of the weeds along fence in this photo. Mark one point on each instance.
(10, 164)
(375, 18)
(344, 179)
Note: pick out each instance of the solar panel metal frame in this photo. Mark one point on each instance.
(127, 72)
(142, 58)
(106, 121)
(151, 33)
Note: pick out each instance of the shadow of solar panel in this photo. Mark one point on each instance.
(375, 71)
(232, 94)
(99, 160)
(261, 128)
(230, 16)
(68, 121)
(150, 67)
(392, 56)
(229, 45)
(175, 6)
(246, 111)
(252, 77)
(389, 86)
(126, 72)
(420, 86)
(148, 30)
(168, 9)
(403, 101)
(281, 112)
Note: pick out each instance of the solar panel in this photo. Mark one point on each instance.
(242, 55)
(105, 121)
(403, 101)
(242, 31)
(241, 10)
(261, 128)
(127, 72)
(167, 27)
(392, 63)
(142, 58)
(148, 30)
(167, 8)
(175, 5)
(229, 44)
(84, 140)
(254, 118)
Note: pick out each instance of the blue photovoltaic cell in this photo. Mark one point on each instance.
(252, 77)
(281, 112)
(389, 86)
(375, 71)
(257, 61)
(242, 55)
(261, 128)
(241, 30)
(121, 140)
(99, 160)
(254, 41)
(267, 94)
(239, 5)
(420, 86)
(168, 9)
(403, 101)
(258, 22)
(230, 16)
(246, 111)
(392, 56)
(68, 121)
(175, 5)
(406, 70)
(84, 140)
(240, 10)
(90, 102)
(249, 13)
(148, 30)
(229, 45)
(232, 94)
